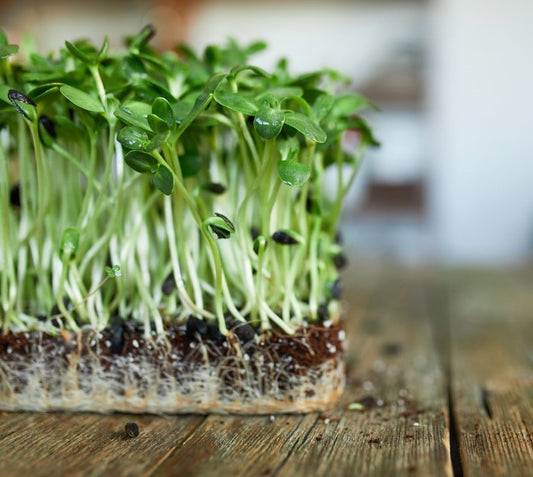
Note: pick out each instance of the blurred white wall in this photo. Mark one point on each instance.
(481, 94)
(50, 23)
(402, 156)
(352, 37)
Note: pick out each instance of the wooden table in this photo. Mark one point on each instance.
(440, 382)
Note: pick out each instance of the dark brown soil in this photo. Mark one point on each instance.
(274, 356)
(308, 347)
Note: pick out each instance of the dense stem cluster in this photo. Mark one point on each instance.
(156, 186)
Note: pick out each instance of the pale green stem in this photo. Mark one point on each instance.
(99, 86)
(293, 265)
(217, 265)
(277, 320)
(265, 324)
(69, 157)
(59, 297)
(178, 277)
(313, 267)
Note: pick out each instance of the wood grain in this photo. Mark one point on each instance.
(238, 446)
(492, 371)
(58, 444)
(417, 337)
(393, 369)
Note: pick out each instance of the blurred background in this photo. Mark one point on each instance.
(453, 180)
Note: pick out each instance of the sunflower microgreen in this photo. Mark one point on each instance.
(164, 163)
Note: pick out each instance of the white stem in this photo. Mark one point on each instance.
(180, 284)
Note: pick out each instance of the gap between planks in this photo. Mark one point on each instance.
(491, 375)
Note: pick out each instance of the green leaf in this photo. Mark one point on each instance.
(235, 102)
(212, 85)
(157, 124)
(322, 106)
(212, 54)
(70, 241)
(4, 90)
(162, 109)
(202, 101)
(157, 141)
(268, 122)
(185, 50)
(254, 69)
(281, 93)
(133, 68)
(142, 38)
(163, 179)
(155, 62)
(306, 126)
(113, 272)
(37, 94)
(349, 104)
(82, 99)
(360, 125)
(132, 137)
(43, 76)
(78, 53)
(8, 50)
(132, 116)
(190, 164)
(181, 110)
(308, 80)
(140, 161)
(138, 108)
(255, 47)
(102, 54)
(293, 173)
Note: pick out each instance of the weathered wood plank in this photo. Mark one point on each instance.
(246, 445)
(238, 446)
(58, 444)
(397, 372)
(492, 371)
(393, 368)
